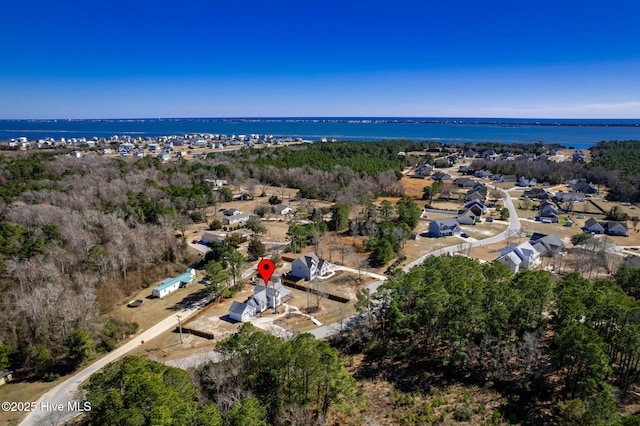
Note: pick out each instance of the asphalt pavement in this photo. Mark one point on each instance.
(69, 390)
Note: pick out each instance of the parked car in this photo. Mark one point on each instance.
(489, 219)
(464, 235)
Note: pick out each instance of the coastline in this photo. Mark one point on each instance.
(580, 134)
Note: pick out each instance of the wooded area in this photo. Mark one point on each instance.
(74, 232)
(569, 342)
(615, 164)
(78, 236)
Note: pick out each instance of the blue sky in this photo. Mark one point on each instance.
(562, 59)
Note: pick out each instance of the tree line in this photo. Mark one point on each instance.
(527, 331)
(614, 164)
(71, 233)
(261, 380)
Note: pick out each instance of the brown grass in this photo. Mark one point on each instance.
(385, 404)
(22, 392)
(413, 186)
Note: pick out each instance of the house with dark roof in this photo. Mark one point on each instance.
(309, 267)
(546, 245)
(477, 207)
(464, 182)
(527, 156)
(548, 211)
(525, 182)
(583, 186)
(441, 176)
(592, 226)
(483, 174)
(424, 170)
(536, 194)
(577, 156)
(465, 170)
(487, 153)
(616, 229)
(444, 227)
(572, 197)
(543, 157)
(469, 153)
(467, 217)
(476, 193)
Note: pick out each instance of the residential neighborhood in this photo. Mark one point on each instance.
(498, 218)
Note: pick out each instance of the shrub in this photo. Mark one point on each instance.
(463, 414)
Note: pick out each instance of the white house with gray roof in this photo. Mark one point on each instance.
(241, 312)
(517, 257)
(444, 227)
(309, 267)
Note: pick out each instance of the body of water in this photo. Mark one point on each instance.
(577, 133)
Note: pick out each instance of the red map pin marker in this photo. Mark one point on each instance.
(265, 269)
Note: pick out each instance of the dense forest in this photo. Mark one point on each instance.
(568, 342)
(617, 155)
(336, 171)
(261, 380)
(369, 158)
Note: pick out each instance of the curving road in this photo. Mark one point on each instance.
(328, 330)
(69, 390)
(512, 229)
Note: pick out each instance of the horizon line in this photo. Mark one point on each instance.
(320, 117)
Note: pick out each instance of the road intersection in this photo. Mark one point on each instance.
(69, 390)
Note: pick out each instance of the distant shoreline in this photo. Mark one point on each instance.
(495, 121)
(579, 133)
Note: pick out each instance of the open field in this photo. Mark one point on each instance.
(448, 204)
(22, 392)
(167, 346)
(413, 186)
(484, 230)
(329, 311)
(154, 309)
(416, 248)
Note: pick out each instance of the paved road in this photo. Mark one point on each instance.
(512, 229)
(69, 389)
(335, 328)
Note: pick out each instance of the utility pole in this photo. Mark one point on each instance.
(180, 327)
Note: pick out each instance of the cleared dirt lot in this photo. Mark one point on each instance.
(167, 346)
(413, 186)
